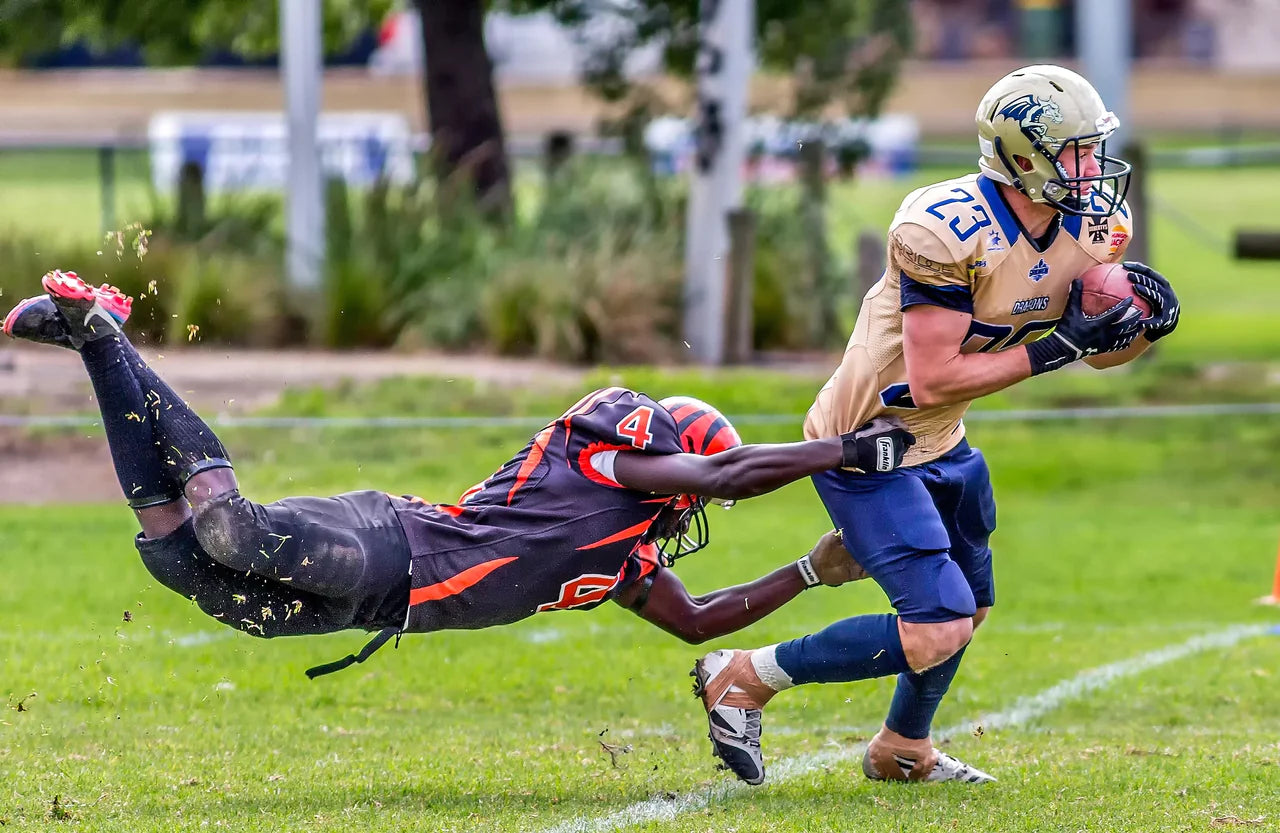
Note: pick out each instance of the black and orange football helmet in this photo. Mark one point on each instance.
(703, 430)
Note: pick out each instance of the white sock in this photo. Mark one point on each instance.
(765, 661)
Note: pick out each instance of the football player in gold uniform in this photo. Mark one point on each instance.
(980, 269)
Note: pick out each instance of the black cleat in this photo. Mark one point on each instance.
(37, 319)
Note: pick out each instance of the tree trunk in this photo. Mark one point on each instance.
(823, 324)
(462, 109)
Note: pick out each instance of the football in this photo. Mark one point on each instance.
(1106, 285)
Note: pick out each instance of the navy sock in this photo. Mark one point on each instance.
(144, 477)
(852, 649)
(186, 441)
(916, 699)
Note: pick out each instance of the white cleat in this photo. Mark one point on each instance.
(733, 716)
(945, 768)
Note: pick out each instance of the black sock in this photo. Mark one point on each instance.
(186, 443)
(145, 478)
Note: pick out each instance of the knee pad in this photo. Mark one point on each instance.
(172, 559)
(936, 590)
(179, 563)
(228, 530)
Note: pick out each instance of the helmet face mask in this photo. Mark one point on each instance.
(681, 529)
(1051, 117)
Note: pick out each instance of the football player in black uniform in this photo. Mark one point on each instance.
(592, 509)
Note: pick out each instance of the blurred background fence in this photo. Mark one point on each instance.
(99, 156)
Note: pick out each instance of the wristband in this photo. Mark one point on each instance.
(807, 574)
(1051, 353)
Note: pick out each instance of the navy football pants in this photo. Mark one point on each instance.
(921, 532)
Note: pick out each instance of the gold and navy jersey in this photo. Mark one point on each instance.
(549, 530)
(957, 245)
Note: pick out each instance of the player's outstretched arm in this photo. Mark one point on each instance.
(751, 470)
(665, 602)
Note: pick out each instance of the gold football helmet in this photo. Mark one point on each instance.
(1046, 114)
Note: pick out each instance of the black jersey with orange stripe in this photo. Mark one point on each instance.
(549, 530)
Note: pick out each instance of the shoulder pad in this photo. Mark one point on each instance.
(953, 212)
(619, 419)
(918, 250)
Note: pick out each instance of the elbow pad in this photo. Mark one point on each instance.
(646, 584)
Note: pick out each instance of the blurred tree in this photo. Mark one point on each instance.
(466, 127)
(170, 33)
(844, 52)
(461, 105)
(842, 57)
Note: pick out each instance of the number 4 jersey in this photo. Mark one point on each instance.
(957, 245)
(550, 530)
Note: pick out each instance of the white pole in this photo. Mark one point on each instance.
(725, 64)
(1104, 33)
(301, 65)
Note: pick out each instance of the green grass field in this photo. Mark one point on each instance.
(1116, 539)
(1120, 544)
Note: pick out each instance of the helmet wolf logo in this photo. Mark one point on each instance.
(1031, 112)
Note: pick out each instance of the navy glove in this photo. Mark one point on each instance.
(1078, 335)
(1156, 290)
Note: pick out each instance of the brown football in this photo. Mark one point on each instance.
(1106, 285)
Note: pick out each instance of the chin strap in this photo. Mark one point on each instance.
(349, 660)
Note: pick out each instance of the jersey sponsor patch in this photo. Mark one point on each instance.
(1119, 236)
(1098, 230)
(977, 269)
(925, 265)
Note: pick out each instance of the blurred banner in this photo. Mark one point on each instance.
(249, 150)
(888, 145)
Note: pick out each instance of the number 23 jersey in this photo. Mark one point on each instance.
(957, 245)
(549, 530)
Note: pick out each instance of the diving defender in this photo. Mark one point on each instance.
(593, 509)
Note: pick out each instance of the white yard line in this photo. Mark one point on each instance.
(1022, 711)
